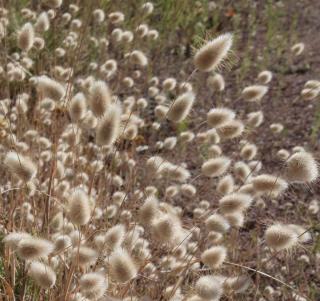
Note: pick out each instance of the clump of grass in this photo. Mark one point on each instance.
(121, 182)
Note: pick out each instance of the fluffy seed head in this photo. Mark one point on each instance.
(147, 8)
(42, 274)
(78, 107)
(20, 165)
(255, 119)
(215, 167)
(108, 128)
(84, 255)
(93, 285)
(312, 84)
(214, 151)
(164, 229)
(302, 167)
(264, 77)
(122, 267)
(181, 107)
(43, 22)
(313, 208)
(98, 15)
(26, 37)
(114, 237)
(49, 88)
(235, 202)
(57, 222)
(116, 17)
(188, 190)
(216, 83)
(238, 284)
(217, 223)
(254, 93)
(209, 288)
(297, 49)
(235, 219)
(169, 84)
(220, 117)
(231, 130)
(303, 235)
(225, 185)
(241, 170)
(62, 243)
(214, 257)
(210, 56)
(248, 152)
(54, 3)
(99, 98)
(12, 239)
(148, 210)
(276, 128)
(310, 94)
(280, 237)
(79, 208)
(137, 57)
(269, 184)
(34, 248)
